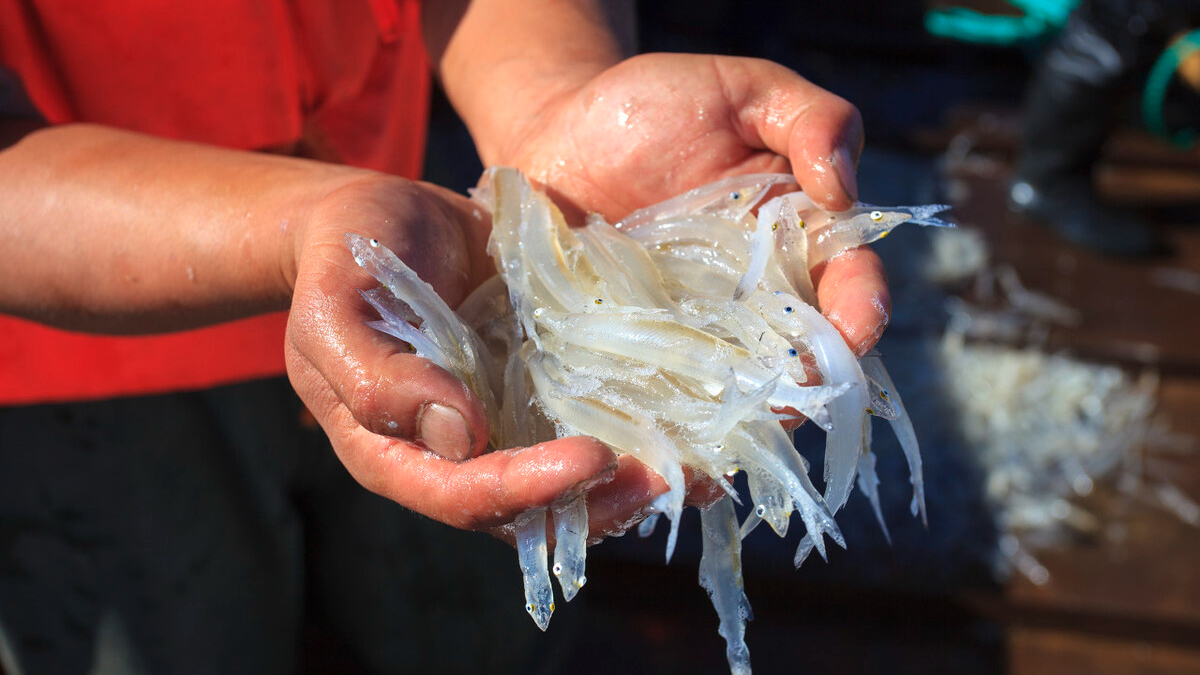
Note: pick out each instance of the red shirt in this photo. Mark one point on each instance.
(340, 80)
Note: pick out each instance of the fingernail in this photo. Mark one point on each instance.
(444, 431)
(846, 171)
(867, 345)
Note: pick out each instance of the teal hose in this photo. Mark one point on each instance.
(1039, 19)
(1155, 93)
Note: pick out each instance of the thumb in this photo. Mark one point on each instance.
(388, 390)
(820, 133)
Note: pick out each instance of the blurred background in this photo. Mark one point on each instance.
(1048, 351)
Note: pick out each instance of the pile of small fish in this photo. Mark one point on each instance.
(1047, 428)
(677, 336)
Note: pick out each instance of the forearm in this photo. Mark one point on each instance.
(502, 61)
(110, 231)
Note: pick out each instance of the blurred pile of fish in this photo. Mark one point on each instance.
(1046, 427)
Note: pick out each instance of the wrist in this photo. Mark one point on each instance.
(442, 236)
(506, 63)
(501, 131)
(311, 206)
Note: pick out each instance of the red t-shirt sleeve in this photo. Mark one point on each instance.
(349, 77)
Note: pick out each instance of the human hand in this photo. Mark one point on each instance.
(405, 428)
(656, 125)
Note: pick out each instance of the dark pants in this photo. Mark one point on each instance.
(191, 532)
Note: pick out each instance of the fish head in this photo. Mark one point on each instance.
(871, 219)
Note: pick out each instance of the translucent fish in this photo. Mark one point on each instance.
(646, 527)
(791, 245)
(721, 576)
(570, 545)
(681, 336)
(531, 550)
(868, 479)
(729, 198)
(903, 428)
(864, 224)
(880, 399)
(761, 245)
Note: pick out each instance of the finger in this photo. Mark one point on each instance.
(819, 132)
(476, 494)
(388, 390)
(623, 502)
(853, 294)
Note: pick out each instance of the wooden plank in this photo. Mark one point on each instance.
(1146, 565)
(1048, 652)
(1131, 311)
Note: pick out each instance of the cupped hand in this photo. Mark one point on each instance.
(405, 428)
(656, 125)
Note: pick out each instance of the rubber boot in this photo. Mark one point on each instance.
(1068, 108)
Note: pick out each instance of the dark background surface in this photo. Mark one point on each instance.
(929, 603)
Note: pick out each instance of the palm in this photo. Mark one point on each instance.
(654, 126)
(657, 125)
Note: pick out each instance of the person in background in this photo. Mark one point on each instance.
(1069, 108)
(175, 183)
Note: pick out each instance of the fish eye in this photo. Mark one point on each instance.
(557, 569)
(530, 607)
(802, 225)
(792, 352)
(877, 216)
(788, 310)
(374, 243)
(760, 511)
(883, 394)
(735, 196)
(599, 301)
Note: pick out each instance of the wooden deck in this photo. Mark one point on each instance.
(1125, 602)
(1133, 605)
